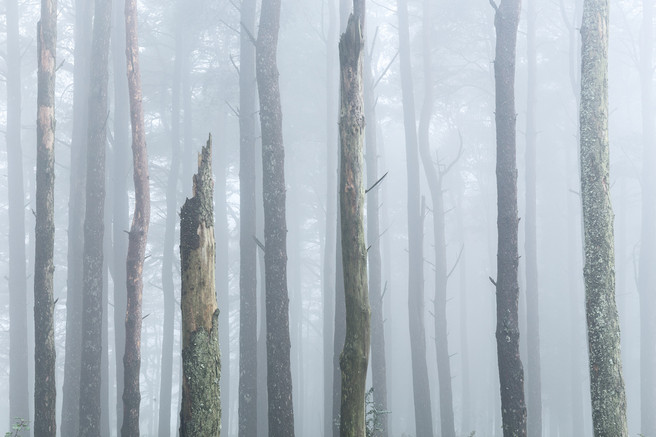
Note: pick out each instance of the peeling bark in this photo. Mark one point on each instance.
(200, 413)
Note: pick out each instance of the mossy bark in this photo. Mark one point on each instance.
(511, 372)
(201, 366)
(45, 391)
(606, 381)
(355, 356)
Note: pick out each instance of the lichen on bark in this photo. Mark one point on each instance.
(201, 366)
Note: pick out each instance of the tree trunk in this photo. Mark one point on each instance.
(420, 385)
(606, 382)
(138, 235)
(647, 275)
(248, 394)
(355, 356)
(200, 413)
(120, 201)
(45, 390)
(511, 373)
(18, 359)
(166, 379)
(329, 257)
(279, 378)
(378, 364)
(94, 225)
(71, 388)
(434, 177)
(533, 376)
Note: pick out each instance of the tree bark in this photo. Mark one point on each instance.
(420, 385)
(355, 356)
(200, 414)
(70, 419)
(378, 364)
(18, 369)
(606, 382)
(279, 378)
(94, 225)
(434, 177)
(329, 257)
(534, 384)
(248, 394)
(511, 373)
(45, 390)
(647, 275)
(138, 235)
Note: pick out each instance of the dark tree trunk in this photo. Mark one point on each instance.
(533, 375)
(120, 201)
(200, 413)
(355, 356)
(420, 385)
(166, 379)
(94, 225)
(606, 382)
(138, 235)
(511, 373)
(378, 365)
(328, 275)
(279, 378)
(71, 389)
(647, 275)
(18, 369)
(434, 177)
(248, 394)
(45, 390)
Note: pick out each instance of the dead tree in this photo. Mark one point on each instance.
(201, 366)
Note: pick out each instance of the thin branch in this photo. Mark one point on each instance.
(385, 70)
(494, 6)
(376, 183)
(248, 33)
(462, 248)
(259, 243)
(232, 108)
(457, 158)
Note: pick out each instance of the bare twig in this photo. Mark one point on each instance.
(462, 248)
(376, 183)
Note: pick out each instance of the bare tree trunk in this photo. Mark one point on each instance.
(94, 225)
(647, 275)
(355, 356)
(200, 413)
(378, 364)
(120, 201)
(279, 378)
(248, 394)
(434, 177)
(166, 378)
(18, 359)
(138, 235)
(45, 390)
(606, 382)
(534, 385)
(511, 373)
(420, 385)
(71, 388)
(329, 257)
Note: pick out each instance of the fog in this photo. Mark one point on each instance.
(202, 39)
